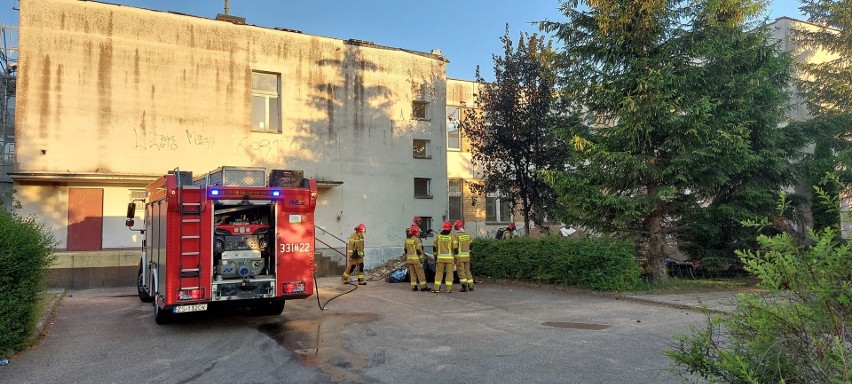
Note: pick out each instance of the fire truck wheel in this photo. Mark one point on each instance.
(161, 316)
(273, 308)
(140, 287)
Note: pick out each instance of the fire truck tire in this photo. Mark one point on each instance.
(144, 295)
(160, 316)
(273, 308)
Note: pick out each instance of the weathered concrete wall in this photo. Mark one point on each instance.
(110, 89)
(94, 269)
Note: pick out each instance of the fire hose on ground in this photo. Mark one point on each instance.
(316, 287)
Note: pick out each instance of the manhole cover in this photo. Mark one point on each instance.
(566, 324)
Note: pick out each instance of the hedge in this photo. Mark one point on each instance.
(598, 263)
(26, 250)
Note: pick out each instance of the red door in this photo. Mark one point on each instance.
(85, 219)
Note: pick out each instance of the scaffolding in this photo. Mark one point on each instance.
(8, 80)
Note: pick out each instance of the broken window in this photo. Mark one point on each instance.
(453, 131)
(419, 110)
(421, 149)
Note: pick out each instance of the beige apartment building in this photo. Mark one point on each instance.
(110, 97)
(783, 31)
(483, 214)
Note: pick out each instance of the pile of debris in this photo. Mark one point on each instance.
(381, 272)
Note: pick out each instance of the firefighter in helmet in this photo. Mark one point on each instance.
(509, 232)
(444, 260)
(415, 222)
(461, 248)
(414, 257)
(355, 253)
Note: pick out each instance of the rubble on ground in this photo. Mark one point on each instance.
(382, 271)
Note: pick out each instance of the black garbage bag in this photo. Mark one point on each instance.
(429, 270)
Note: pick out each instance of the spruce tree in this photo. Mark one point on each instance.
(682, 102)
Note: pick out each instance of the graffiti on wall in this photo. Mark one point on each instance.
(271, 150)
(154, 141)
(195, 138)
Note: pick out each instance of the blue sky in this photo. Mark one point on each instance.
(466, 31)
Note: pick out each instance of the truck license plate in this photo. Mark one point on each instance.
(190, 308)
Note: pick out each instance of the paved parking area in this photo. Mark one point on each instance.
(380, 333)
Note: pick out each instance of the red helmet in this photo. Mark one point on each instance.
(447, 226)
(511, 226)
(458, 224)
(361, 228)
(414, 230)
(417, 220)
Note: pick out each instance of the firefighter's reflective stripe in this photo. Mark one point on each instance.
(356, 242)
(463, 246)
(411, 249)
(444, 244)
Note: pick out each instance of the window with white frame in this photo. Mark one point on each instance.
(497, 208)
(421, 149)
(455, 199)
(135, 196)
(422, 188)
(265, 102)
(420, 110)
(453, 130)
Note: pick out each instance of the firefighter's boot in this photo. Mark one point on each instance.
(414, 288)
(362, 282)
(424, 288)
(464, 287)
(345, 279)
(470, 288)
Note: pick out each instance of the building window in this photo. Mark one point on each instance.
(421, 149)
(455, 199)
(135, 196)
(497, 208)
(265, 102)
(419, 110)
(422, 188)
(425, 225)
(453, 131)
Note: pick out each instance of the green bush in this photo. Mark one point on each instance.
(25, 253)
(799, 333)
(599, 263)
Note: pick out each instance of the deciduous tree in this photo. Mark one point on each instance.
(510, 127)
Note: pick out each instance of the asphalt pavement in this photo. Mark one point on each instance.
(382, 332)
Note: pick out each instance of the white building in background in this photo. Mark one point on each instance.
(783, 30)
(110, 97)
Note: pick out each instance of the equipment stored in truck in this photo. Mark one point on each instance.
(229, 237)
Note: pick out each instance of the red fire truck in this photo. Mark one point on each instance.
(229, 237)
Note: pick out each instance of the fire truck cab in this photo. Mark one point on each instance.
(229, 237)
